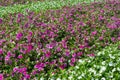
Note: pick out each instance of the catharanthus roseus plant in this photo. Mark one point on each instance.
(54, 40)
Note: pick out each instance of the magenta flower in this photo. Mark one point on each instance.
(1, 51)
(61, 59)
(63, 66)
(112, 26)
(67, 53)
(71, 64)
(28, 38)
(34, 72)
(73, 60)
(81, 23)
(29, 48)
(20, 56)
(19, 36)
(94, 32)
(113, 39)
(101, 38)
(1, 77)
(39, 66)
(102, 11)
(15, 69)
(48, 54)
(91, 55)
(1, 20)
(7, 58)
(49, 46)
(101, 18)
(22, 70)
(9, 53)
(30, 33)
(79, 53)
(81, 46)
(74, 55)
(118, 38)
(27, 76)
(58, 49)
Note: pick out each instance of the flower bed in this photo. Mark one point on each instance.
(56, 39)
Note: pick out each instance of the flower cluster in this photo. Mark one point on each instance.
(56, 39)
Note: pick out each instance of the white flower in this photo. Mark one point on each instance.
(98, 74)
(77, 67)
(99, 53)
(41, 78)
(81, 61)
(70, 77)
(111, 76)
(82, 74)
(111, 56)
(92, 70)
(58, 79)
(94, 65)
(103, 78)
(110, 63)
(114, 69)
(103, 68)
(118, 68)
(79, 77)
(89, 61)
(103, 63)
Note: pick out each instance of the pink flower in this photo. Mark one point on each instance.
(102, 11)
(22, 70)
(1, 51)
(81, 23)
(118, 38)
(39, 66)
(15, 69)
(27, 76)
(101, 17)
(94, 32)
(73, 60)
(1, 20)
(58, 49)
(71, 64)
(48, 54)
(63, 66)
(91, 55)
(103, 31)
(29, 48)
(49, 46)
(30, 33)
(9, 53)
(1, 77)
(7, 58)
(19, 36)
(113, 39)
(81, 46)
(101, 38)
(62, 59)
(79, 54)
(74, 55)
(67, 53)
(20, 56)
(112, 26)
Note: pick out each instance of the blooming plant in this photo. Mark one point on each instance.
(33, 44)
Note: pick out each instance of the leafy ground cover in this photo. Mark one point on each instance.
(38, 6)
(105, 66)
(12, 2)
(37, 44)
